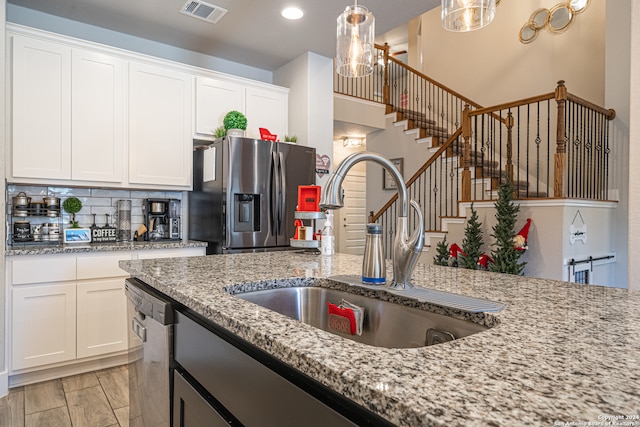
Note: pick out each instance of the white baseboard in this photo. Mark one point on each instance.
(46, 374)
(4, 383)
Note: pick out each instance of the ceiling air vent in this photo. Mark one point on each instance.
(205, 11)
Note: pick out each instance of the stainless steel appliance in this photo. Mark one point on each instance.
(245, 193)
(151, 320)
(162, 219)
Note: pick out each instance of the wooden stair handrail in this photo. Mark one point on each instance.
(419, 172)
(434, 82)
(609, 114)
(512, 104)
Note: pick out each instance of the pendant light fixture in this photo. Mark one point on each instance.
(467, 15)
(355, 42)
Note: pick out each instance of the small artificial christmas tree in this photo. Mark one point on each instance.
(472, 242)
(442, 253)
(505, 255)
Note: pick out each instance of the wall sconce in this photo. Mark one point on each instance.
(354, 42)
(467, 15)
(351, 142)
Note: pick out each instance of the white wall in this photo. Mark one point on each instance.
(634, 149)
(4, 374)
(491, 66)
(56, 24)
(310, 81)
(617, 88)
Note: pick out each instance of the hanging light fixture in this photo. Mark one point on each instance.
(467, 15)
(354, 42)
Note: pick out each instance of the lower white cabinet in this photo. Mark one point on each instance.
(43, 324)
(70, 309)
(101, 317)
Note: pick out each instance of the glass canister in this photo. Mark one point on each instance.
(124, 220)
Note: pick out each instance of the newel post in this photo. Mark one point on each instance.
(466, 155)
(386, 89)
(510, 146)
(560, 159)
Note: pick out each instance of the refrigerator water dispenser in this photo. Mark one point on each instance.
(247, 212)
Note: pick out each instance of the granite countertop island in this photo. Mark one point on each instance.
(558, 353)
(75, 248)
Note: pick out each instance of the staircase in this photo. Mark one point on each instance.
(553, 145)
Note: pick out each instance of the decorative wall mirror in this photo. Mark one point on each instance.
(528, 33)
(560, 16)
(579, 6)
(539, 19)
(556, 20)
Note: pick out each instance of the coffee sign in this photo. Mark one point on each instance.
(103, 234)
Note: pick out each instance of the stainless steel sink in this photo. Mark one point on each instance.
(385, 324)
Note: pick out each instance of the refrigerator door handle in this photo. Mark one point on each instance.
(273, 196)
(283, 195)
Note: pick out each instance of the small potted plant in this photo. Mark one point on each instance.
(72, 205)
(235, 123)
(75, 234)
(220, 132)
(293, 139)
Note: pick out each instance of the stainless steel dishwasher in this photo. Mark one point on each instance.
(151, 319)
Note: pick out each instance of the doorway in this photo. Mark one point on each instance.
(351, 221)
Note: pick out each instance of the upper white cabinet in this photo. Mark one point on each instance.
(267, 109)
(98, 113)
(68, 113)
(83, 114)
(41, 114)
(214, 99)
(160, 117)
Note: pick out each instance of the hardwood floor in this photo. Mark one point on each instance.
(94, 399)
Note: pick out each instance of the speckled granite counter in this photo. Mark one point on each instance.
(101, 247)
(560, 352)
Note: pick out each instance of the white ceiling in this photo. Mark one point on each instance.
(251, 33)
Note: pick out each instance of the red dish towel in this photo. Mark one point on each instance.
(345, 313)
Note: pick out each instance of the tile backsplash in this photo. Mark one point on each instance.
(97, 201)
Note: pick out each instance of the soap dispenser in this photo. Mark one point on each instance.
(373, 265)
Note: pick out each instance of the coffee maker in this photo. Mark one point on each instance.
(162, 219)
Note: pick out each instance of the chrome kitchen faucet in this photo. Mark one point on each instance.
(406, 249)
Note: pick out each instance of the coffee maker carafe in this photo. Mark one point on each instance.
(162, 219)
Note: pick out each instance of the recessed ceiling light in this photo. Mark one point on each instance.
(291, 13)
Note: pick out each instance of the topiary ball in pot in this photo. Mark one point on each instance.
(72, 205)
(235, 120)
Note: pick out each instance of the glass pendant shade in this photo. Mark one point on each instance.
(355, 42)
(467, 15)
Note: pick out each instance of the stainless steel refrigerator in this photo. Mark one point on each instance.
(245, 193)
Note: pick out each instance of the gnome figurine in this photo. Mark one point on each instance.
(520, 241)
(483, 262)
(454, 252)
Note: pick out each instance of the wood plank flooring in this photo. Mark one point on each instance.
(94, 399)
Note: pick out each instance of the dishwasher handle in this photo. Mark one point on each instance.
(138, 328)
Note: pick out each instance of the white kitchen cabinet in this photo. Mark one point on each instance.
(214, 99)
(43, 325)
(160, 120)
(267, 108)
(41, 113)
(101, 317)
(69, 311)
(68, 113)
(98, 112)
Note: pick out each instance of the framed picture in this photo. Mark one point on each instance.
(387, 181)
(77, 235)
